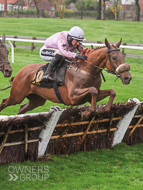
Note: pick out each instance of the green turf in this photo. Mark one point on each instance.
(131, 32)
(120, 169)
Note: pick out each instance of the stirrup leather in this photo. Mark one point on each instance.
(47, 77)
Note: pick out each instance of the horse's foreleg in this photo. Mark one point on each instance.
(76, 96)
(34, 102)
(103, 94)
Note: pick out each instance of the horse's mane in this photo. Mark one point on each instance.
(97, 48)
(114, 46)
(88, 51)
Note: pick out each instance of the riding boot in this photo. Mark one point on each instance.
(50, 67)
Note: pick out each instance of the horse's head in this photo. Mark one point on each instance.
(116, 62)
(5, 67)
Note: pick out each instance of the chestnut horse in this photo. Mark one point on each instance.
(82, 84)
(5, 67)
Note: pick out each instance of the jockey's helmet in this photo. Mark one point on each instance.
(76, 33)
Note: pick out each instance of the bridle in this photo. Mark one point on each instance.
(114, 71)
(111, 64)
(108, 58)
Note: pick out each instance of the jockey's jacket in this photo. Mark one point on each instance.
(59, 41)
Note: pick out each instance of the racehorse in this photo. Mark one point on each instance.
(82, 83)
(5, 67)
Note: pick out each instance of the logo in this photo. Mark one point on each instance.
(28, 173)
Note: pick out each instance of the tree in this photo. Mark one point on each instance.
(84, 5)
(37, 9)
(87, 5)
(137, 10)
(116, 9)
(78, 3)
(60, 7)
(99, 10)
(103, 10)
(80, 6)
(18, 8)
(29, 3)
(116, 2)
(67, 2)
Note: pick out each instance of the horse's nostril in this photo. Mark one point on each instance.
(126, 78)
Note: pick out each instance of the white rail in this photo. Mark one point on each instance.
(42, 41)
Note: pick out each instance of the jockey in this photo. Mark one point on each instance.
(59, 45)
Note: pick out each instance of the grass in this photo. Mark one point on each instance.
(131, 32)
(120, 168)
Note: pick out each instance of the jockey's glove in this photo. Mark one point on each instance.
(81, 57)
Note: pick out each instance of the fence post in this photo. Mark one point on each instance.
(14, 41)
(32, 45)
(123, 49)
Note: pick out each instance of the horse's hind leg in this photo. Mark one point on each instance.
(34, 102)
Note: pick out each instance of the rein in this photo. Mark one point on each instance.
(108, 51)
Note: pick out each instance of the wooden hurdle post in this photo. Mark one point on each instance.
(86, 131)
(5, 138)
(26, 138)
(136, 126)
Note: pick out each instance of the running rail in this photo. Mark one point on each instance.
(43, 41)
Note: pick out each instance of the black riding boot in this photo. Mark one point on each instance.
(51, 65)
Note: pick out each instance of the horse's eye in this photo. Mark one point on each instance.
(114, 58)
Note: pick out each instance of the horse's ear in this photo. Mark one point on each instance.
(3, 40)
(119, 43)
(107, 44)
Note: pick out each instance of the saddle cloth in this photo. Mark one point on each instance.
(60, 76)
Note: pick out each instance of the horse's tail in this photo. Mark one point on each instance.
(8, 86)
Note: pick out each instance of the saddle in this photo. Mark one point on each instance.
(58, 75)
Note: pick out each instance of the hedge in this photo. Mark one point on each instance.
(78, 14)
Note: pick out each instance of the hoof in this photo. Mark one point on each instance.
(85, 115)
(100, 110)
